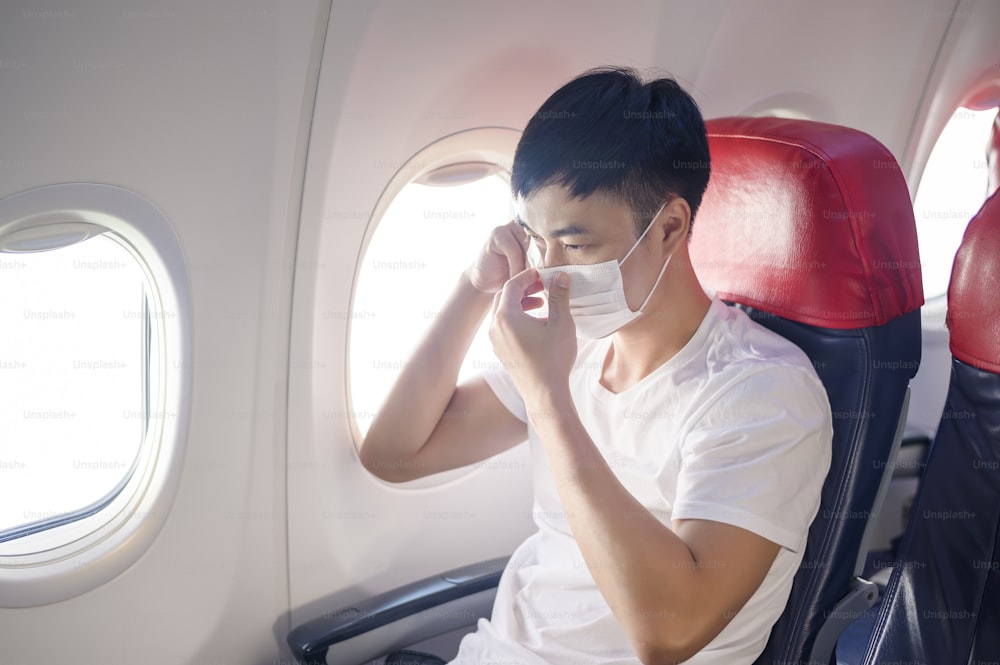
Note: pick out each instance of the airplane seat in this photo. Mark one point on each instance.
(942, 604)
(809, 228)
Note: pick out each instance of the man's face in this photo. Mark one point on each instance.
(568, 231)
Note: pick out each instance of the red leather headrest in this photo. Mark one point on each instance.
(973, 302)
(809, 221)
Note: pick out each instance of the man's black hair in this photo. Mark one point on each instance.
(608, 132)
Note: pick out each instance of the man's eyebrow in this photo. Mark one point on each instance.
(571, 230)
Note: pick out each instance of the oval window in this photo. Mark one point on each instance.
(428, 235)
(94, 388)
(73, 381)
(952, 188)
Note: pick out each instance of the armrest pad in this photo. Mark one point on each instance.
(310, 641)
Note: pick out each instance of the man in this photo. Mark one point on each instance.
(678, 448)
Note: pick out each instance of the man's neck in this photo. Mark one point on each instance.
(669, 320)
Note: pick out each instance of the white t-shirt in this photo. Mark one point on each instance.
(735, 428)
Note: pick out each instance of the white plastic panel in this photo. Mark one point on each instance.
(204, 110)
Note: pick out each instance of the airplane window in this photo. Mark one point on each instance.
(952, 189)
(427, 237)
(73, 381)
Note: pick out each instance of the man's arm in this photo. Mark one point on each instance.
(672, 590)
(427, 423)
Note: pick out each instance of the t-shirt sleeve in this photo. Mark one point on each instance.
(503, 387)
(756, 456)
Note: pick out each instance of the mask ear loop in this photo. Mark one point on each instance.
(655, 284)
(645, 231)
(665, 263)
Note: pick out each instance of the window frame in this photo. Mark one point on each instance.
(72, 556)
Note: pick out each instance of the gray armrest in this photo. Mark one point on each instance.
(861, 597)
(310, 641)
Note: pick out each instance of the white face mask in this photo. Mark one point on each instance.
(597, 292)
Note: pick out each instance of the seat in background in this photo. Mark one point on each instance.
(809, 227)
(942, 604)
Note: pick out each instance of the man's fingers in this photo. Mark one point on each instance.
(519, 234)
(559, 297)
(534, 287)
(529, 303)
(508, 244)
(524, 283)
(496, 303)
(511, 299)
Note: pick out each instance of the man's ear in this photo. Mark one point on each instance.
(676, 220)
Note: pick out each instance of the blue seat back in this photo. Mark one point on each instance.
(809, 227)
(942, 604)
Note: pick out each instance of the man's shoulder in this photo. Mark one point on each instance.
(747, 361)
(751, 347)
(758, 380)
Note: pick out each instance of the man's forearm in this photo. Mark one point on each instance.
(645, 571)
(426, 384)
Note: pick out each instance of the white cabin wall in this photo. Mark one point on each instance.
(968, 63)
(859, 64)
(200, 108)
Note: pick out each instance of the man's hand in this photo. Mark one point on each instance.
(538, 353)
(502, 257)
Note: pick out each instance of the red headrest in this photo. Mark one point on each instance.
(973, 305)
(809, 221)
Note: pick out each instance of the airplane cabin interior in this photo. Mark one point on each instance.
(226, 225)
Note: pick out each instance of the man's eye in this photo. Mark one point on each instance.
(574, 248)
